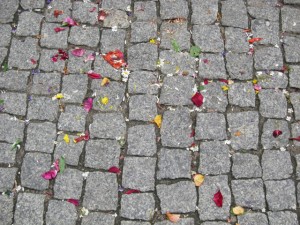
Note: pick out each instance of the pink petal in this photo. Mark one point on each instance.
(276, 133)
(88, 104)
(78, 52)
(90, 57)
(58, 29)
(114, 169)
(295, 139)
(33, 61)
(197, 99)
(257, 87)
(70, 21)
(93, 9)
(131, 191)
(73, 201)
(49, 175)
(56, 165)
(218, 199)
(94, 75)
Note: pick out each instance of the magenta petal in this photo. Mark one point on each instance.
(88, 104)
(90, 57)
(91, 74)
(114, 169)
(197, 99)
(49, 175)
(218, 199)
(70, 21)
(78, 52)
(276, 133)
(131, 191)
(73, 201)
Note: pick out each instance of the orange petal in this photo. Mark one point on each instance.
(198, 179)
(174, 218)
(157, 120)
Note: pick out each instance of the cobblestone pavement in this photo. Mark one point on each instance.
(204, 90)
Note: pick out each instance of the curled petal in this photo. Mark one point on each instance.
(115, 59)
(69, 22)
(91, 74)
(218, 199)
(276, 133)
(114, 169)
(73, 201)
(49, 175)
(58, 29)
(84, 137)
(157, 120)
(90, 57)
(238, 210)
(174, 218)
(295, 139)
(224, 81)
(105, 81)
(198, 179)
(78, 52)
(253, 40)
(88, 104)
(131, 191)
(197, 99)
(66, 139)
(102, 15)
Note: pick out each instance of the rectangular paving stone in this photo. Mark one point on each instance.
(145, 11)
(268, 30)
(239, 66)
(138, 173)
(7, 11)
(51, 39)
(291, 48)
(173, 9)
(28, 4)
(116, 4)
(85, 12)
(98, 218)
(29, 24)
(14, 103)
(46, 84)
(14, 80)
(61, 211)
(278, 218)
(5, 30)
(6, 207)
(112, 40)
(116, 18)
(46, 64)
(272, 79)
(179, 197)
(73, 119)
(78, 65)
(294, 76)
(143, 82)
(7, 178)
(207, 207)
(295, 100)
(243, 127)
(101, 191)
(253, 219)
(241, 94)
(204, 12)
(297, 158)
(42, 108)
(142, 107)
(88, 36)
(263, 9)
(234, 13)
(11, 129)
(246, 166)
(212, 66)
(143, 31)
(182, 221)
(290, 19)
(64, 5)
(268, 58)
(74, 88)
(6, 154)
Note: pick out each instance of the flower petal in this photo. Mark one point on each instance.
(59, 29)
(198, 179)
(114, 169)
(238, 210)
(102, 15)
(157, 120)
(49, 175)
(105, 81)
(131, 191)
(83, 137)
(276, 133)
(104, 100)
(57, 12)
(253, 40)
(218, 199)
(73, 201)
(91, 74)
(88, 104)
(78, 52)
(197, 99)
(90, 57)
(295, 139)
(70, 22)
(62, 164)
(174, 218)
(115, 59)
(66, 139)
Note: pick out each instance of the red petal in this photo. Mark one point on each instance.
(93, 75)
(49, 175)
(205, 81)
(114, 169)
(58, 29)
(218, 199)
(115, 59)
(73, 201)
(276, 133)
(102, 15)
(79, 52)
(223, 80)
(131, 191)
(84, 137)
(57, 12)
(192, 133)
(295, 139)
(252, 40)
(205, 61)
(33, 61)
(54, 58)
(197, 99)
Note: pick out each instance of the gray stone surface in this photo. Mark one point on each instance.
(204, 12)
(272, 79)
(294, 77)
(143, 82)
(234, 13)
(74, 88)
(42, 108)
(29, 4)
(6, 155)
(64, 5)
(291, 48)
(134, 223)
(88, 36)
(267, 30)
(85, 12)
(11, 129)
(46, 63)
(77, 64)
(268, 58)
(7, 178)
(14, 103)
(297, 157)
(296, 133)
(143, 31)
(142, 107)
(46, 84)
(3, 54)
(106, 70)
(29, 24)
(14, 80)
(116, 18)
(73, 119)
(61, 213)
(295, 100)
(6, 207)
(290, 19)
(212, 66)
(179, 197)
(215, 223)
(115, 4)
(140, 7)
(5, 30)
(253, 219)
(241, 94)
(112, 40)
(246, 166)
(283, 218)
(239, 66)
(51, 39)
(263, 9)
(298, 193)
(273, 104)
(182, 221)
(98, 218)
(7, 10)
(170, 9)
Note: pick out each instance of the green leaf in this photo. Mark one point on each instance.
(1, 101)
(195, 51)
(62, 164)
(175, 45)
(16, 144)
(201, 88)
(5, 67)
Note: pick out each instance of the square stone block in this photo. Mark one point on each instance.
(46, 84)
(29, 24)
(142, 107)
(246, 166)
(143, 82)
(212, 66)
(51, 39)
(88, 36)
(170, 9)
(242, 95)
(73, 119)
(61, 211)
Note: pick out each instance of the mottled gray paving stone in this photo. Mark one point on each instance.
(207, 208)
(46, 84)
(106, 70)
(281, 194)
(138, 206)
(33, 166)
(134, 223)
(292, 1)
(51, 39)
(3, 54)
(295, 100)
(253, 219)
(14, 103)
(64, 212)
(208, 38)
(85, 12)
(138, 173)
(294, 76)
(273, 79)
(112, 40)
(46, 63)
(268, 140)
(29, 209)
(5, 30)
(263, 9)
(142, 56)
(291, 48)
(89, 36)
(176, 128)
(64, 5)
(179, 197)
(239, 66)
(7, 10)
(214, 158)
(269, 58)
(141, 140)
(29, 23)
(21, 52)
(143, 82)
(204, 12)
(241, 94)
(142, 107)
(297, 157)
(174, 163)
(290, 19)
(177, 63)
(268, 30)
(170, 9)
(116, 18)
(245, 123)
(246, 166)
(249, 193)
(298, 193)
(182, 221)
(110, 125)
(145, 11)
(98, 218)
(143, 31)
(43, 142)
(68, 184)
(11, 129)
(214, 223)
(77, 64)
(73, 119)
(29, 4)
(210, 126)
(7, 178)
(177, 32)
(6, 207)
(115, 91)
(272, 104)
(234, 13)
(296, 133)
(74, 87)
(42, 108)
(70, 151)
(14, 80)
(177, 90)
(6, 155)
(276, 165)
(101, 191)
(116, 4)
(215, 98)
(102, 154)
(212, 66)
(283, 218)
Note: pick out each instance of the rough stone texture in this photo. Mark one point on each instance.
(290, 19)
(134, 223)
(204, 12)
(207, 208)
(286, 218)
(214, 223)
(88, 36)
(239, 66)
(98, 218)
(7, 178)
(74, 88)
(143, 82)
(268, 30)
(170, 9)
(208, 38)
(212, 66)
(182, 221)
(292, 1)
(175, 129)
(268, 58)
(291, 48)
(244, 130)
(280, 195)
(142, 107)
(14, 80)
(268, 140)
(138, 206)
(174, 163)
(101, 191)
(73, 119)
(63, 212)
(106, 70)
(246, 166)
(6, 155)
(263, 9)
(11, 129)
(214, 158)
(179, 197)
(141, 140)
(102, 154)
(297, 157)
(116, 18)
(294, 76)
(64, 5)
(46, 84)
(112, 40)
(6, 207)
(47, 65)
(51, 39)
(143, 31)
(116, 4)
(210, 126)
(14, 103)
(141, 6)
(273, 104)
(5, 30)
(272, 79)
(241, 94)
(29, 209)
(295, 100)
(78, 65)
(42, 108)
(249, 193)
(29, 24)
(29, 4)
(3, 54)
(253, 219)
(296, 132)
(298, 193)
(138, 173)
(82, 12)
(7, 10)
(234, 13)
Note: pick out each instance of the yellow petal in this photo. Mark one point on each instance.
(152, 41)
(238, 210)
(225, 88)
(198, 179)
(104, 100)
(254, 81)
(157, 120)
(67, 139)
(105, 81)
(58, 96)
(174, 218)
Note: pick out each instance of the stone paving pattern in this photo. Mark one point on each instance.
(233, 128)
